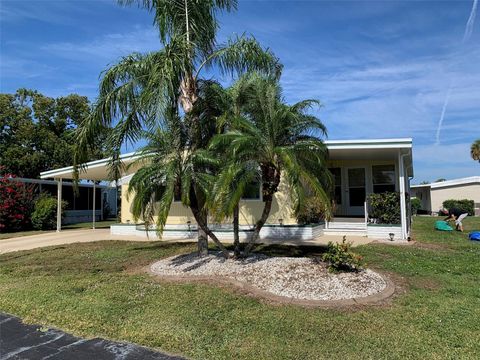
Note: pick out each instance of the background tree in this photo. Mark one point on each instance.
(36, 131)
(475, 150)
(143, 92)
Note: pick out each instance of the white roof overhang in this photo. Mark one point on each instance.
(375, 149)
(97, 170)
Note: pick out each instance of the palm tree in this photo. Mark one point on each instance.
(475, 150)
(169, 169)
(143, 93)
(272, 141)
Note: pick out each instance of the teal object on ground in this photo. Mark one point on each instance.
(442, 226)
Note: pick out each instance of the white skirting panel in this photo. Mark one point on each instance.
(383, 232)
(182, 232)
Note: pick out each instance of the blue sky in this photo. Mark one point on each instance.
(380, 68)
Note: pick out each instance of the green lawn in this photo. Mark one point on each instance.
(85, 225)
(91, 290)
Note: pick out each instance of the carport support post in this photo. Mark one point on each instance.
(403, 207)
(93, 212)
(59, 204)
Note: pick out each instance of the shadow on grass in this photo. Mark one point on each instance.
(288, 250)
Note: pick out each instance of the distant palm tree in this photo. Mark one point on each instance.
(270, 141)
(475, 150)
(145, 92)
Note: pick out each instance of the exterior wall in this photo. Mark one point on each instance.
(465, 191)
(250, 210)
(78, 216)
(423, 194)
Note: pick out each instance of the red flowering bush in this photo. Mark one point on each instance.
(16, 204)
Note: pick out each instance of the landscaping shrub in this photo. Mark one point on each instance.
(312, 212)
(416, 205)
(340, 258)
(16, 199)
(44, 217)
(465, 205)
(385, 207)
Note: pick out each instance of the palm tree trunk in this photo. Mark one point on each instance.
(202, 243)
(202, 223)
(259, 225)
(236, 235)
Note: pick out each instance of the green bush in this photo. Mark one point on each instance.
(44, 216)
(312, 212)
(340, 258)
(416, 205)
(465, 205)
(385, 207)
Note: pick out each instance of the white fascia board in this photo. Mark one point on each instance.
(454, 182)
(404, 143)
(53, 182)
(90, 165)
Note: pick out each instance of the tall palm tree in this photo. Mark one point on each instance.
(272, 141)
(144, 92)
(475, 150)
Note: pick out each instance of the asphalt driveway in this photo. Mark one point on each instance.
(32, 342)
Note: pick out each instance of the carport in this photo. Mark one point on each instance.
(94, 171)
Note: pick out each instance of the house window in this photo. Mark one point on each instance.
(252, 191)
(337, 181)
(383, 178)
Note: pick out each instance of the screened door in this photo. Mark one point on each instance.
(356, 190)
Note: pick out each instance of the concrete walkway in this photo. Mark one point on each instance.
(21, 341)
(60, 238)
(89, 235)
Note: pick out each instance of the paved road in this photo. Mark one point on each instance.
(20, 341)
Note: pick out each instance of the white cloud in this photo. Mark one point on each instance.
(107, 48)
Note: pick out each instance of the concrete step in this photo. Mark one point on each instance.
(358, 232)
(344, 225)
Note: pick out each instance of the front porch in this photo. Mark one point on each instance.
(361, 169)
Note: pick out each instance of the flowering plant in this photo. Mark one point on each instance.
(16, 203)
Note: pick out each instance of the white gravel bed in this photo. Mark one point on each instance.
(297, 278)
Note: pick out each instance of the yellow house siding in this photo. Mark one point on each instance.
(250, 210)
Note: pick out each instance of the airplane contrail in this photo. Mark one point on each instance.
(470, 22)
(466, 37)
(442, 115)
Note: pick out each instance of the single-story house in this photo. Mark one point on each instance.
(79, 207)
(360, 167)
(433, 195)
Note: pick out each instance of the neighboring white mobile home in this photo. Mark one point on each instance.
(433, 195)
